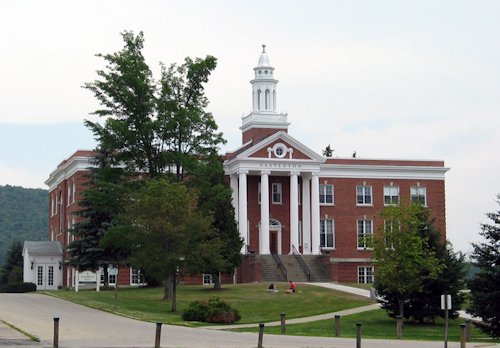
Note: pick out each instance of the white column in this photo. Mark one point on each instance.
(234, 194)
(294, 211)
(77, 280)
(315, 214)
(264, 213)
(97, 280)
(306, 215)
(242, 209)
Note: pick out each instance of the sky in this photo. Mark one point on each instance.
(397, 79)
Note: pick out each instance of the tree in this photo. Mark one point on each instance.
(485, 284)
(223, 252)
(424, 304)
(328, 151)
(162, 225)
(403, 260)
(102, 201)
(13, 266)
(154, 127)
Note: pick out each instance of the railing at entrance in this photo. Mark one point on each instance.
(280, 265)
(301, 262)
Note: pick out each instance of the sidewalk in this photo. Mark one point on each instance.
(10, 337)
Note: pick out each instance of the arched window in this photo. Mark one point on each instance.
(274, 100)
(268, 99)
(259, 92)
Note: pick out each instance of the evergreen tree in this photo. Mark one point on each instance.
(13, 266)
(102, 201)
(485, 285)
(425, 303)
(404, 262)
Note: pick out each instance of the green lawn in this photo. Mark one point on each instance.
(376, 324)
(253, 301)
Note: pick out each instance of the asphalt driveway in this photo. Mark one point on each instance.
(85, 327)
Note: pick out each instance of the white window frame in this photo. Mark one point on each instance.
(206, 279)
(416, 192)
(391, 195)
(366, 274)
(74, 191)
(68, 200)
(135, 273)
(364, 234)
(279, 191)
(366, 193)
(324, 195)
(324, 232)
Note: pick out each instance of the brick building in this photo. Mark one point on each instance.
(320, 208)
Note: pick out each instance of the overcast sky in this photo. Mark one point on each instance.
(387, 79)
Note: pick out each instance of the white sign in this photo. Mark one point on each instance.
(445, 302)
(87, 277)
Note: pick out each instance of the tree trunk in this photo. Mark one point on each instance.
(217, 285)
(174, 293)
(167, 289)
(106, 276)
(400, 304)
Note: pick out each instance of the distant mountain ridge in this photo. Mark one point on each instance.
(24, 216)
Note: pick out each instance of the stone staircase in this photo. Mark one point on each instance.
(271, 273)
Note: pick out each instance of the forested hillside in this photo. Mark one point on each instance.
(23, 216)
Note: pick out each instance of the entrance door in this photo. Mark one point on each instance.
(273, 242)
(45, 277)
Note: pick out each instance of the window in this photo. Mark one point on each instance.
(74, 191)
(391, 195)
(326, 237)
(365, 274)
(277, 192)
(267, 99)
(112, 278)
(50, 276)
(363, 195)
(39, 275)
(207, 279)
(365, 234)
(418, 195)
(68, 200)
(135, 276)
(326, 194)
(258, 99)
(390, 227)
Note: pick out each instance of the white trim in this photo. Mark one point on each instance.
(382, 172)
(72, 166)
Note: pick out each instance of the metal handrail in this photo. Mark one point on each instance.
(280, 265)
(301, 262)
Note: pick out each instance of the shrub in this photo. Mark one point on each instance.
(211, 311)
(18, 287)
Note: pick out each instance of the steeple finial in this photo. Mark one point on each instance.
(263, 48)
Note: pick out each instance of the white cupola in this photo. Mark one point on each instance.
(264, 113)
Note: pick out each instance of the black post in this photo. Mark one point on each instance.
(358, 335)
(158, 335)
(463, 335)
(399, 326)
(56, 332)
(468, 325)
(283, 327)
(337, 325)
(261, 335)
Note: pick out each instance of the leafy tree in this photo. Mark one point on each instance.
(13, 267)
(403, 260)
(154, 127)
(424, 304)
(485, 285)
(328, 151)
(102, 201)
(222, 253)
(162, 224)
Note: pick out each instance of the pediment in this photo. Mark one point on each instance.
(280, 146)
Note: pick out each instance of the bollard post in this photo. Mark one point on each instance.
(261, 335)
(337, 325)
(463, 335)
(399, 327)
(283, 327)
(56, 332)
(158, 335)
(468, 326)
(358, 335)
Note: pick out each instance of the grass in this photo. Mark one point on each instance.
(253, 302)
(377, 325)
(30, 336)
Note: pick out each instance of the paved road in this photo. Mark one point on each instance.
(84, 327)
